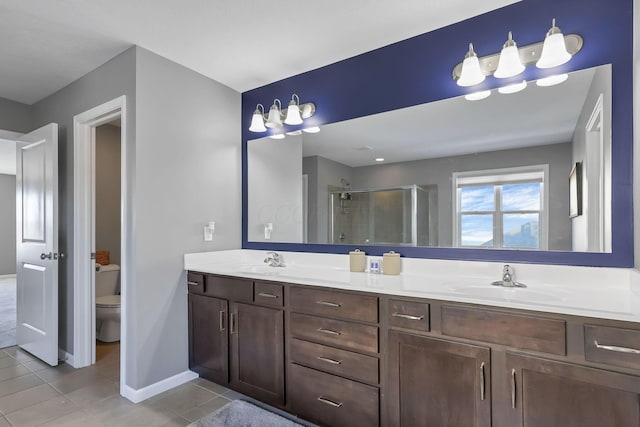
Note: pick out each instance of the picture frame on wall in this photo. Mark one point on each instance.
(575, 190)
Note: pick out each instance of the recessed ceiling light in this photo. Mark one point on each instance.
(380, 159)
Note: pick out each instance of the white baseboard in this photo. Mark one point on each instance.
(66, 357)
(7, 276)
(145, 393)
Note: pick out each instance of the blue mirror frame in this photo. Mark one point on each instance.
(418, 70)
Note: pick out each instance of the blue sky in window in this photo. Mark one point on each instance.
(476, 229)
(521, 197)
(476, 198)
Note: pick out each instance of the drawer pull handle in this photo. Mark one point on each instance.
(329, 402)
(617, 348)
(190, 283)
(332, 361)
(328, 303)
(482, 381)
(263, 294)
(407, 316)
(222, 317)
(232, 323)
(513, 388)
(329, 331)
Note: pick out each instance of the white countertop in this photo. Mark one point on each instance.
(608, 293)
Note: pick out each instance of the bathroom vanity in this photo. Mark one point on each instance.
(358, 349)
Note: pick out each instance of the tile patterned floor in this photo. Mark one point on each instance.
(34, 394)
(7, 311)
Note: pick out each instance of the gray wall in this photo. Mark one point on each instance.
(188, 159)
(7, 224)
(438, 172)
(275, 189)
(107, 82)
(108, 191)
(15, 116)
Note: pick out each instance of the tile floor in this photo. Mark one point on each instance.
(7, 311)
(34, 394)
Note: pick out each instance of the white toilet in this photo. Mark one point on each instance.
(107, 303)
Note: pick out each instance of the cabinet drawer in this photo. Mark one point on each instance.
(268, 294)
(409, 315)
(331, 400)
(613, 346)
(195, 283)
(340, 362)
(229, 288)
(513, 330)
(337, 304)
(335, 332)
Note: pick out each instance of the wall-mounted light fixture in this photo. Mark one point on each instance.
(555, 50)
(294, 114)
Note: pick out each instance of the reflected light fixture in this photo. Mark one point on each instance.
(313, 129)
(257, 120)
(277, 136)
(295, 114)
(552, 80)
(554, 49)
(477, 96)
(513, 88)
(471, 73)
(509, 64)
(379, 159)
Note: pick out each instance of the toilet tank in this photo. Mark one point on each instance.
(107, 279)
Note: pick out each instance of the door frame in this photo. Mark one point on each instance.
(84, 135)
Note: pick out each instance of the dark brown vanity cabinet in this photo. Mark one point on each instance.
(436, 382)
(234, 341)
(546, 393)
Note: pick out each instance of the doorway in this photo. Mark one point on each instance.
(108, 118)
(7, 243)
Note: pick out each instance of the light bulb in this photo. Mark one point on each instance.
(509, 64)
(554, 49)
(471, 73)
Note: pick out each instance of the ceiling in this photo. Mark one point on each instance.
(242, 44)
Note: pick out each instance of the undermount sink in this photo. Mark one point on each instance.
(540, 293)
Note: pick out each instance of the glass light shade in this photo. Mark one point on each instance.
(314, 129)
(293, 114)
(554, 52)
(277, 136)
(513, 88)
(257, 122)
(471, 73)
(552, 80)
(477, 96)
(509, 64)
(274, 121)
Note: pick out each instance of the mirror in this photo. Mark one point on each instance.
(493, 173)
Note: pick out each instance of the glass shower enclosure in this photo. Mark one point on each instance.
(403, 215)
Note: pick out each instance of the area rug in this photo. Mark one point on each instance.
(239, 413)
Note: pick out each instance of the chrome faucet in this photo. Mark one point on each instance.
(508, 278)
(274, 259)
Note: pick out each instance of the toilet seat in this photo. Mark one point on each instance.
(108, 301)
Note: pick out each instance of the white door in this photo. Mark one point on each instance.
(37, 243)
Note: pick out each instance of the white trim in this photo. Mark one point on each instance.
(84, 125)
(151, 390)
(7, 276)
(67, 358)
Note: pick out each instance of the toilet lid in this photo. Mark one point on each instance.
(108, 301)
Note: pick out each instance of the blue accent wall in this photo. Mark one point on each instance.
(418, 70)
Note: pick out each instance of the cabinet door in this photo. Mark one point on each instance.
(257, 352)
(208, 339)
(433, 382)
(546, 393)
